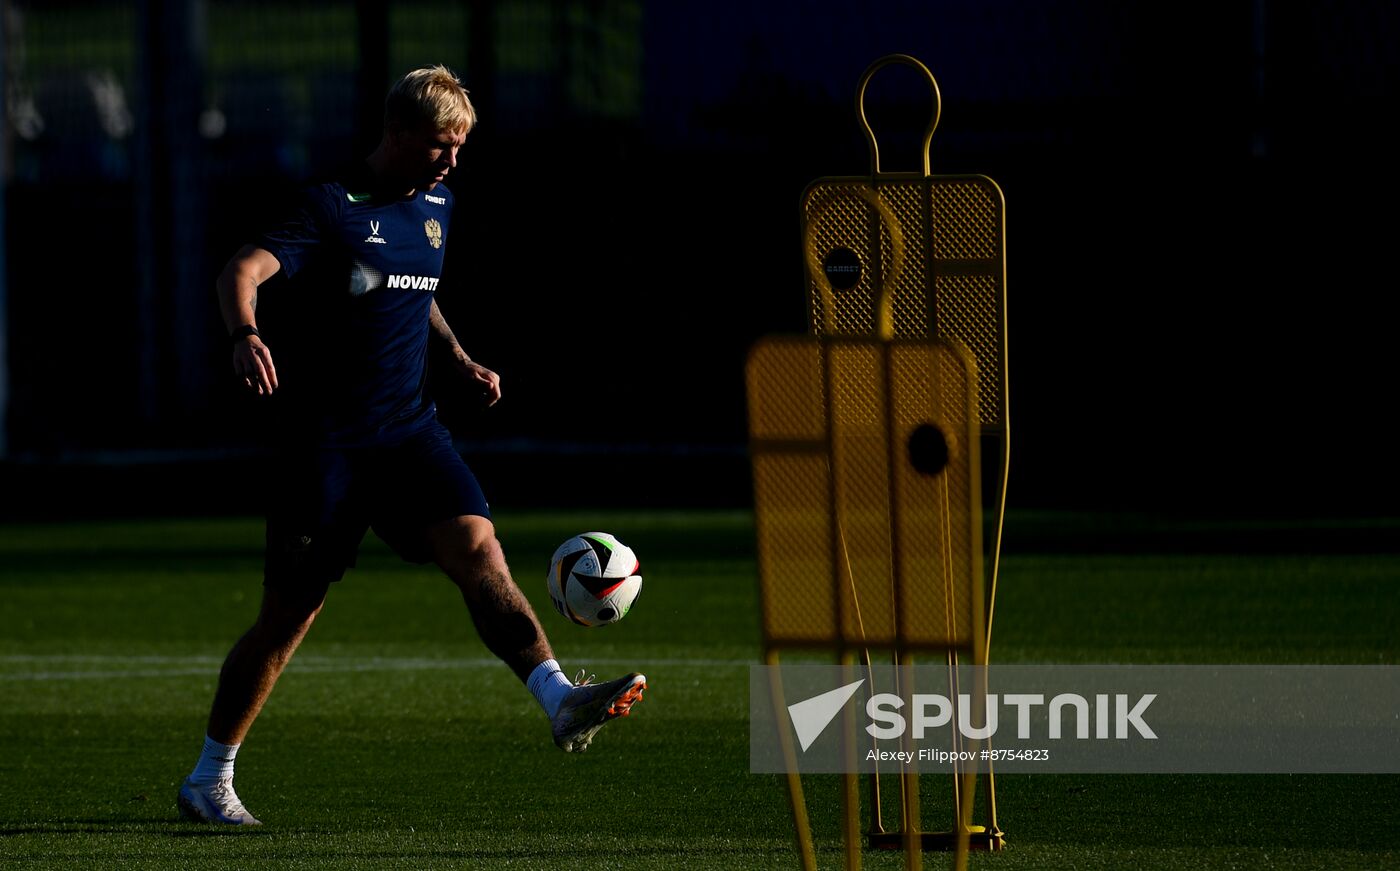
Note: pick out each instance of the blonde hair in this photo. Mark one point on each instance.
(430, 95)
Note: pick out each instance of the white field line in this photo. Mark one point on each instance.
(120, 667)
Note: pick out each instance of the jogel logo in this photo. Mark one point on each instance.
(434, 231)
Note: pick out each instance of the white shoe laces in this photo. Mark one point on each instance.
(581, 681)
(222, 792)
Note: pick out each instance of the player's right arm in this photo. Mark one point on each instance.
(237, 287)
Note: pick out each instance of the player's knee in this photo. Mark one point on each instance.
(467, 546)
(468, 536)
(287, 613)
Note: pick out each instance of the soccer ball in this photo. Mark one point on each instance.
(593, 579)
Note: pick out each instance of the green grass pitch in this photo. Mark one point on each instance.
(395, 741)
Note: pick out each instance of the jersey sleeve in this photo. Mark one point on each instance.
(306, 225)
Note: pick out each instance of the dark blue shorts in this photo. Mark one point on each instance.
(325, 499)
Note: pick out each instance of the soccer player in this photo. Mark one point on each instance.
(361, 445)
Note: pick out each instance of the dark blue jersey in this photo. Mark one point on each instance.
(350, 337)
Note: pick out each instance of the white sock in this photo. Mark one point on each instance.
(215, 763)
(549, 686)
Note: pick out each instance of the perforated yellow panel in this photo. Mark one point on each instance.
(939, 533)
(937, 243)
(857, 547)
(792, 478)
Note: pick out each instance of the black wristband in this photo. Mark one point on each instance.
(243, 332)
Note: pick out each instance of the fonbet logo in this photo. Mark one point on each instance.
(888, 720)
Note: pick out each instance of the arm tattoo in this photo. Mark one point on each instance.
(438, 327)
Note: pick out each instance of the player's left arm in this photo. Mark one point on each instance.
(488, 381)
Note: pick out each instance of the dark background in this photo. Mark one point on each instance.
(1199, 202)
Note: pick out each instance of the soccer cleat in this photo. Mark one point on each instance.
(588, 706)
(215, 803)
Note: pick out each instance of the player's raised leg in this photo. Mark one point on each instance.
(467, 551)
(246, 680)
